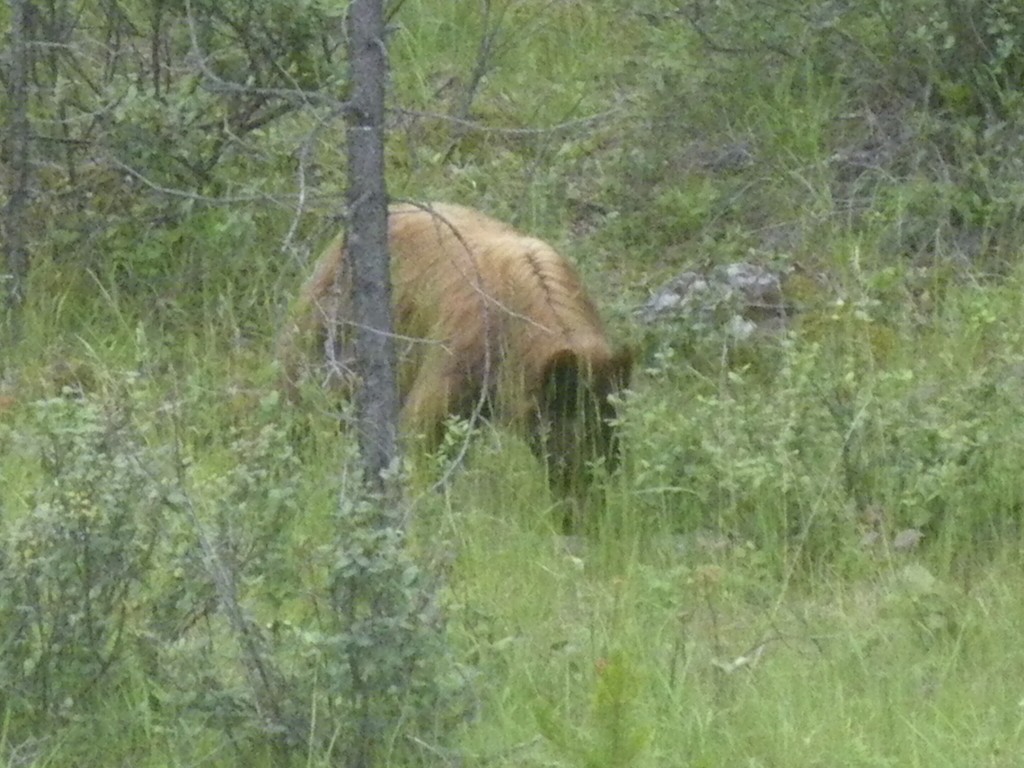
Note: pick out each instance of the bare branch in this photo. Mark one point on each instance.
(475, 125)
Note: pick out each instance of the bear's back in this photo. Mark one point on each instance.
(453, 263)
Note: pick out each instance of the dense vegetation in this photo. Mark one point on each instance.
(813, 554)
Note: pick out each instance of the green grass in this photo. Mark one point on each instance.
(872, 670)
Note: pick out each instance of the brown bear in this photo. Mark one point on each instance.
(490, 323)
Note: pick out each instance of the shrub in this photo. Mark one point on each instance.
(71, 573)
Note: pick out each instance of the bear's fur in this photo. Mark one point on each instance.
(489, 322)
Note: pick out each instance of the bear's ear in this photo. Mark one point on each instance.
(561, 382)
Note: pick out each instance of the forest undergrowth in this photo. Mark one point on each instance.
(812, 553)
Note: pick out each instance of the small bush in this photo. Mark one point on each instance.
(76, 558)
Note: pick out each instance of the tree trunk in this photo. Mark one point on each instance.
(376, 399)
(17, 154)
(367, 245)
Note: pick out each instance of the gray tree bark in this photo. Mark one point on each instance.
(376, 399)
(17, 149)
(367, 244)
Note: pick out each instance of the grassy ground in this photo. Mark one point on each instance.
(750, 596)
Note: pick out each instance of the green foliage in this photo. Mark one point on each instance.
(73, 572)
(149, 137)
(615, 738)
(927, 604)
(812, 554)
(275, 44)
(970, 52)
(966, 53)
(849, 426)
(165, 577)
(756, 461)
(383, 664)
(822, 114)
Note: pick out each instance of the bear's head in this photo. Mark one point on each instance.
(576, 417)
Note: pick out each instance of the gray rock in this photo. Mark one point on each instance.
(739, 298)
